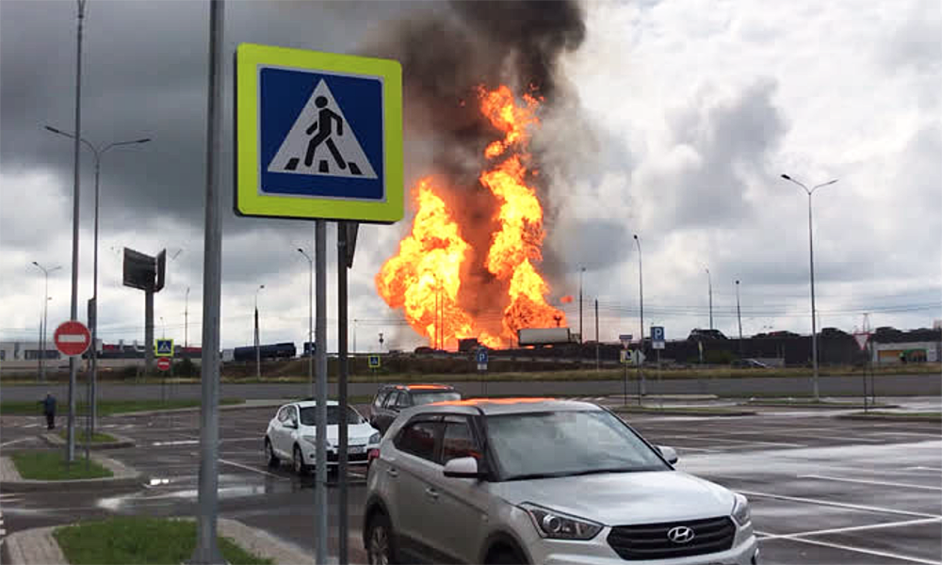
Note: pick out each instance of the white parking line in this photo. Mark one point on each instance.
(11, 442)
(862, 550)
(253, 469)
(853, 528)
(866, 482)
(708, 438)
(933, 469)
(820, 502)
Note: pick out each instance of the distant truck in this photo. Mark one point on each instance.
(542, 336)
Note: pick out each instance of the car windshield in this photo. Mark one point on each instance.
(557, 444)
(428, 397)
(333, 416)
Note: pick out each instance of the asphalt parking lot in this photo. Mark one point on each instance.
(823, 490)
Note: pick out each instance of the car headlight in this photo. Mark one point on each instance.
(556, 525)
(741, 511)
(374, 439)
(313, 439)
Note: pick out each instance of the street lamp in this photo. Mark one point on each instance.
(310, 321)
(98, 153)
(814, 330)
(581, 340)
(258, 354)
(186, 320)
(641, 308)
(42, 330)
(710, 282)
(739, 318)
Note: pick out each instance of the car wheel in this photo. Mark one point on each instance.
(379, 548)
(298, 463)
(504, 557)
(270, 454)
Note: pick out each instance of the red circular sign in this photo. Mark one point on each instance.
(72, 338)
(163, 363)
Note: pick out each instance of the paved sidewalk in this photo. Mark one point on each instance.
(37, 546)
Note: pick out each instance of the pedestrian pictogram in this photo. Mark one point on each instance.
(318, 135)
(163, 348)
(72, 338)
(164, 363)
(319, 144)
(373, 361)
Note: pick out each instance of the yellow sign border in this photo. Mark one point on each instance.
(172, 348)
(248, 199)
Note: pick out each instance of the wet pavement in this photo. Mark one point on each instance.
(822, 490)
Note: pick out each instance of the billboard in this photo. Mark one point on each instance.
(140, 270)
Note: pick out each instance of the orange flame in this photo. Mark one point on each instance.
(567, 299)
(424, 278)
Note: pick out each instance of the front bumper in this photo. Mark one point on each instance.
(357, 455)
(597, 551)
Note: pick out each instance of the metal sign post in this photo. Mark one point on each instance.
(320, 411)
(344, 260)
(207, 550)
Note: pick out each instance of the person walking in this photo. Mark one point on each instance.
(49, 409)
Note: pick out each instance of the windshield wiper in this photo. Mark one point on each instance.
(528, 476)
(607, 470)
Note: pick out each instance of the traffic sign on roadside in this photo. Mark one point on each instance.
(164, 363)
(318, 135)
(482, 359)
(862, 338)
(72, 338)
(625, 340)
(657, 337)
(163, 347)
(374, 361)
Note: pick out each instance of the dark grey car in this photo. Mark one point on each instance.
(392, 399)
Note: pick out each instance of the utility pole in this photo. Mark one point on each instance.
(207, 550)
(814, 330)
(43, 325)
(641, 389)
(186, 320)
(581, 335)
(710, 282)
(598, 358)
(258, 354)
(310, 322)
(739, 318)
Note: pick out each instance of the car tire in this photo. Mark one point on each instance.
(380, 548)
(297, 462)
(273, 460)
(504, 557)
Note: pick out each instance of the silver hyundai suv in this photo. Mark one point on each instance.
(542, 481)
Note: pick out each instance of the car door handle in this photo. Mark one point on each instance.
(392, 472)
(431, 493)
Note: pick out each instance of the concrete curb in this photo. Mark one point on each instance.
(34, 547)
(37, 546)
(56, 441)
(902, 417)
(832, 406)
(241, 405)
(123, 476)
(682, 412)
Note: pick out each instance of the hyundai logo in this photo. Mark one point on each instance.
(680, 534)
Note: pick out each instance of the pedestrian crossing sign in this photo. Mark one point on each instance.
(318, 135)
(373, 361)
(163, 348)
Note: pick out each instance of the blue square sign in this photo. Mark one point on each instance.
(318, 135)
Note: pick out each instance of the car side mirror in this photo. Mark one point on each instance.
(463, 468)
(668, 453)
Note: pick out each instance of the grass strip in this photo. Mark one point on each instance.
(107, 407)
(51, 466)
(141, 540)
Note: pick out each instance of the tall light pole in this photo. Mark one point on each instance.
(258, 354)
(45, 312)
(739, 318)
(710, 283)
(186, 319)
(814, 329)
(581, 340)
(641, 308)
(310, 321)
(98, 153)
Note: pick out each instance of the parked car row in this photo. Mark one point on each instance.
(518, 480)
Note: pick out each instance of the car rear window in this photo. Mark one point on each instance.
(430, 396)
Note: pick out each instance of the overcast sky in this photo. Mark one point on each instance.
(694, 108)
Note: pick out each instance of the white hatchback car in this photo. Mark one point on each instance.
(291, 434)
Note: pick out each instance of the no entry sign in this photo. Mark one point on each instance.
(72, 338)
(163, 363)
